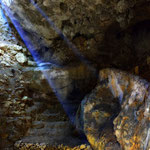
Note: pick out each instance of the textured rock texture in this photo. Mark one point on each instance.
(82, 37)
(117, 93)
(28, 99)
(30, 111)
(95, 118)
(100, 30)
(42, 146)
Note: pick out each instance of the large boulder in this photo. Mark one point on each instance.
(64, 33)
(95, 118)
(117, 108)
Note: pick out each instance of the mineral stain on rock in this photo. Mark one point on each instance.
(55, 90)
(127, 118)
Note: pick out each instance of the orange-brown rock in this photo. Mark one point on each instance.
(121, 99)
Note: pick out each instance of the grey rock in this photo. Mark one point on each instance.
(21, 58)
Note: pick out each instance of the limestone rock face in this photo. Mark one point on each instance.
(30, 97)
(50, 28)
(122, 95)
(66, 43)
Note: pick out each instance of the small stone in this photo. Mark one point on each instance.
(24, 50)
(16, 112)
(16, 47)
(46, 3)
(43, 145)
(82, 146)
(7, 103)
(25, 98)
(31, 63)
(29, 144)
(13, 52)
(121, 6)
(1, 52)
(22, 105)
(21, 58)
(17, 144)
(5, 63)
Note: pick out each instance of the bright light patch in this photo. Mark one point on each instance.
(31, 46)
(7, 2)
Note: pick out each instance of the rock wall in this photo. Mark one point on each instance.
(69, 41)
(31, 113)
(94, 28)
(30, 99)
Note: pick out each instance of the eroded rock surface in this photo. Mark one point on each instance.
(30, 109)
(28, 99)
(95, 118)
(122, 95)
(82, 36)
(95, 28)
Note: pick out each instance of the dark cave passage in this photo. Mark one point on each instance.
(127, 49)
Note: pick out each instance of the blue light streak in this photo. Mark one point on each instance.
(7, 2)
(68, 42)
(30, 45)
(4, 23)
